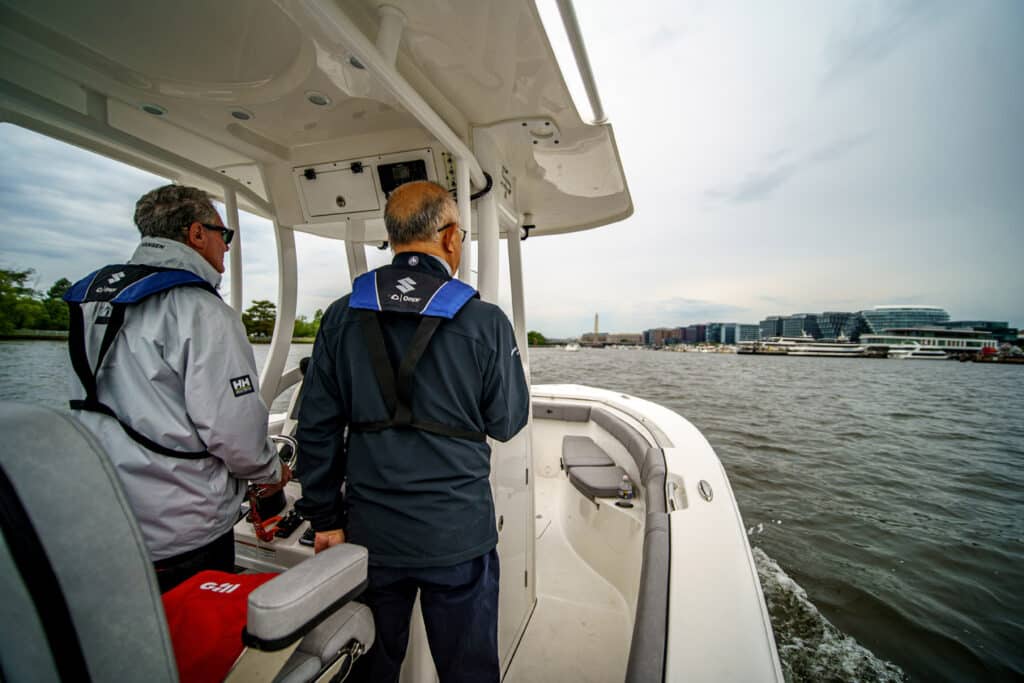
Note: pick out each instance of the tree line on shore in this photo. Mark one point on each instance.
(22, 307)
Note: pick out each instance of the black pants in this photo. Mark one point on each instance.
(218, 554)
(460, 609)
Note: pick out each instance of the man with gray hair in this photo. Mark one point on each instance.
(409, 376)
(164, 376)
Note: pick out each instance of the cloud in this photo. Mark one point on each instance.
(779, 168)
(877, 30)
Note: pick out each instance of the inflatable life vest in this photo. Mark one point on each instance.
(434, 300)
(117, 287)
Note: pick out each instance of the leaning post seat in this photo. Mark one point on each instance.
(80, 595)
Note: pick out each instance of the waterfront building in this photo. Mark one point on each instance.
(833, 324)
(1002, 331)
(729, 333)
(696, 334)
(801, 325)
(951, 341)
(748, 333)
(771, 327)
(855, 326)
(660, 336)
(713, 333)
(882, 318)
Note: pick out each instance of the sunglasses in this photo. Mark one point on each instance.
(227, 234)
(449, 225)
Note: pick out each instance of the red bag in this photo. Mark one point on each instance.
(206, 615)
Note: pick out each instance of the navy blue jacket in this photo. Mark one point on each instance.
(413, 498)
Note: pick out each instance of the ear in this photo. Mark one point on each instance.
(196, 236)
(448, 238)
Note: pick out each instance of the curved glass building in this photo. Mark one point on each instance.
(881, 318)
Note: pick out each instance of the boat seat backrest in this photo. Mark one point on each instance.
(629, 437)
(567, 412)
(73, 500)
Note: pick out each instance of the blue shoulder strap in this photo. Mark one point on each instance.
(131, 283)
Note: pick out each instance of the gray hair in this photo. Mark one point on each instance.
(168, 210)
(421, 221)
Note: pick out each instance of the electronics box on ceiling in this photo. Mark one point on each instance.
(358, 188)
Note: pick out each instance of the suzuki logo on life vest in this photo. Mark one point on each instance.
(406, 285)
(219, 587)
(115, 278)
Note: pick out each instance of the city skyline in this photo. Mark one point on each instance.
(952, 319)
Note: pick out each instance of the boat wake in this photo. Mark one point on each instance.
(810, 647)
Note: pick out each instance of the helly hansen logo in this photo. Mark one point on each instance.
(219, 587)
(115, 278)
(406, 285)
(242, 385)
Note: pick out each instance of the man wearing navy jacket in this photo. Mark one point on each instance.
(410, 374)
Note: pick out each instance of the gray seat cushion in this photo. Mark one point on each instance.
(581, 451)
(597, 482)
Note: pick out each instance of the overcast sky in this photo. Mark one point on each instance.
(783, 157)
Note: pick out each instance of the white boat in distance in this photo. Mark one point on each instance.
(827, 350)
(916, 352)
(572, 347)
(307, 113)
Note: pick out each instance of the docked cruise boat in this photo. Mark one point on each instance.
(916, 352)
(827, 350)
(308, 113)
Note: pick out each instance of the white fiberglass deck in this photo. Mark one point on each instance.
(581, 627)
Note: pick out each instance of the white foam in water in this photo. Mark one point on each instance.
(810, 647)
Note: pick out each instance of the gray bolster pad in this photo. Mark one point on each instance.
(647, 650)
(290, 605)
(354, 621)
(568, 412)
(652, 475)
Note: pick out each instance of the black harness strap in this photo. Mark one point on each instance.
(397, 392)
(41, 582)
(87, 376)
(406, 371)
(379, 357)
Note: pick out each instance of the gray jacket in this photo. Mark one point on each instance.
(170, 374)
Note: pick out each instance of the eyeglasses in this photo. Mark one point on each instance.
(448, 225)
(226, 233)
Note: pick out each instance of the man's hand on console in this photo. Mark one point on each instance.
(325, 539)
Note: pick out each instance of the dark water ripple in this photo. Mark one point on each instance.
(883, 498)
